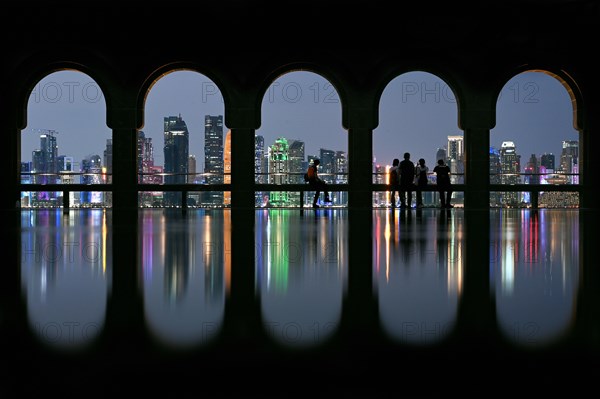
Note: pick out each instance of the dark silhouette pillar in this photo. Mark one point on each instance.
(477, 168)
(360, 168)
(242, 324)
(124, 318)
(476, 316)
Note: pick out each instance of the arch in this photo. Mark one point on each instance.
(561, 75)
(418, 114)
(169, 68)
(37, 74)
(328, 75)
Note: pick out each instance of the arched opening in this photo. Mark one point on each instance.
(301, 121)
(418, 115)
(534, 143)
(66, 143)
(183, 142)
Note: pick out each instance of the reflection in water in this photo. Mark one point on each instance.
(301, 265)
(185, 262)
(534, 259)
(65, 273)
(418, 267)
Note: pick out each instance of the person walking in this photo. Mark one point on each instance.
(317, 184)
(394, 181)
(444, 186)
(421, 171)
(407, 175)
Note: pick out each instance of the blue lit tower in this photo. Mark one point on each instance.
(213, 156)
(45, 163)
(49, 152)
(91, 170)
(176, 150)
(327, 166)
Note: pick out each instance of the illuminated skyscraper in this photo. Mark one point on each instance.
(213, 157)
(227, 168)
(260, 167)
(510, 163)
(278, 171)
(296, 161)
(456, 162)
(569, 159)
(176, 150)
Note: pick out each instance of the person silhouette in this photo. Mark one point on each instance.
(394, 181)
(444, 186)
(421, 171)
(407, 175)
(317, 184)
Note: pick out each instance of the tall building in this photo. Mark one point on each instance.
(91, 173)
(260, 167)
(495, 176)
(341, 167)
(531, 171)
(65, 167)
(510, 163)
(227, 168)
(547, 161)
(327, 166)
(259, 159)
(278, 171)
(455, 147)
(456, 162)
(176, 151)
(441, 154)
(108, 156)
(296, 161)
(569, 158)
(46, 160)
(141, 142)
(192, 168)
(213, 157)
(44, 166)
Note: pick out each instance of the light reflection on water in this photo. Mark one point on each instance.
(301, 270)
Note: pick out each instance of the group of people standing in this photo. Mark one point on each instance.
(406, 177)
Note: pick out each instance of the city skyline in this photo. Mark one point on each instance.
(417, 110)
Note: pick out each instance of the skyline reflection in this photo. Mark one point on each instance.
(301, 271)
(185, 262)
(418, 272)
(535, 271)
(66, 275)
(301, 260)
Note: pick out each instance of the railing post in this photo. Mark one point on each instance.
(534, 195)
(65, 201)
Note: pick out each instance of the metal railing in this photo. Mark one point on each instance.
(61, 184)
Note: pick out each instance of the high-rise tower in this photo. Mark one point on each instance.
(176, 150)
(213, 156)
